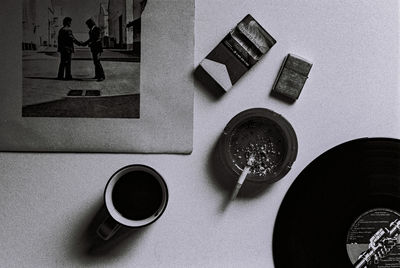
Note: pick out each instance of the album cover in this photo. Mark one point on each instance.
(97, 76)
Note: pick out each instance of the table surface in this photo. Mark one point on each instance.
(49, 201)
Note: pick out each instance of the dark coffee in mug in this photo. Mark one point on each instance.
(137, 195)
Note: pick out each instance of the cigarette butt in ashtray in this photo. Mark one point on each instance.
(243, 176)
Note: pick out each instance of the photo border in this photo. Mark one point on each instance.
(166, 91)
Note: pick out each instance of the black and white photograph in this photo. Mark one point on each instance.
(97, 76)
(200, 133)
(81, 58)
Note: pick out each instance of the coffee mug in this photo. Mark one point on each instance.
(135, 196)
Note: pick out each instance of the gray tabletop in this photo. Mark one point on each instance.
(48, 201)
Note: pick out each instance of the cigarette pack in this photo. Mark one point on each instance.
(240, 50)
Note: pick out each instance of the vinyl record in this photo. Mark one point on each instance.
(346, 198)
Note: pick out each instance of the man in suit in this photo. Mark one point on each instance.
(96, 48)
(66, 41)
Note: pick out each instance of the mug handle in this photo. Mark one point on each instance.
(108, 228)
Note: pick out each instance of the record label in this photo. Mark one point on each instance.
(373, 240)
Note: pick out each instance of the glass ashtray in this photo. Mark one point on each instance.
(261, 139)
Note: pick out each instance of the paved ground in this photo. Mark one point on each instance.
(46, 96)
(125, 106)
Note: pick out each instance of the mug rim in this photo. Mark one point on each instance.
(114, 213)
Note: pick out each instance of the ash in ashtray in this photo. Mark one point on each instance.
(258, 139)
(266, 155)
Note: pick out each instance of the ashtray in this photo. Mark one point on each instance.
(264, 136)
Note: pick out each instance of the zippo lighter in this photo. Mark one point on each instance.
(292, 76)
(237, 53)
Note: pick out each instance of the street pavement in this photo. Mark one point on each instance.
(40, 86)
(123, 106)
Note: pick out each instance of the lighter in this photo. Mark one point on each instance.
(292, 76)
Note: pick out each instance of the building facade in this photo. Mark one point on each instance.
(39, 24)
(120, 13)
(103, 19)
(102, 22)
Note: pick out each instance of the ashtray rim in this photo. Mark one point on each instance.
(288, 135)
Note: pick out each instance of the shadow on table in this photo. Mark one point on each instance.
(225, 180)
(88, 247)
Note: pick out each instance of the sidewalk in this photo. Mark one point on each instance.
(41, 86)
(127, 106)
(83, 53)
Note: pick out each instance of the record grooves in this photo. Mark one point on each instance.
(360, 177)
